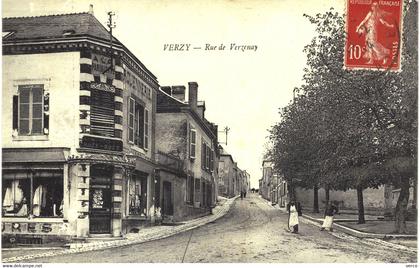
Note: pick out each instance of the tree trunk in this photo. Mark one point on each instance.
(316, 204)
(360, 206)
(401, 209)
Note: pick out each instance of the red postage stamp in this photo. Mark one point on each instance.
(373, 34)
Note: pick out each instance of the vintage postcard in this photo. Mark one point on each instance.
(222, 132)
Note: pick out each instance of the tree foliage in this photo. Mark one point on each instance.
(350, 129)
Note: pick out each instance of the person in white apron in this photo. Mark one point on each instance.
(330, 210)
(293, 224)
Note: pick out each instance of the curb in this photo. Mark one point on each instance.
(361, 234)
(86, 247)
(348, 230)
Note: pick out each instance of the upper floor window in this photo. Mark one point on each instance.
(207, 160)
(193, 142)
(138, 124)
(31, 110)
(146, 129)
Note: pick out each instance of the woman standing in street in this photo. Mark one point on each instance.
(293, 217)
(330, 210)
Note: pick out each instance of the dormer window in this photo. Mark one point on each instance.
(7, 34)
(68, 32)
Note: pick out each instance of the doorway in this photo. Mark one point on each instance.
(100, 199)
(167, 206)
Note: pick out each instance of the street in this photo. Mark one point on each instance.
(251, 232)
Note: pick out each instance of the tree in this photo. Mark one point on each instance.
(351, 129)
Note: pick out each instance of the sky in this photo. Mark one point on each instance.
(242, 89)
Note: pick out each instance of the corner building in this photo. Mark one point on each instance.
(78, 131)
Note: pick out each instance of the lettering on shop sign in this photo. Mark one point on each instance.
(16, 227)
(102, 87)
(100, 64)
(32, 227)
(101, 143)
(46, 228)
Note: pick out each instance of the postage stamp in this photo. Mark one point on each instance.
(373, 30)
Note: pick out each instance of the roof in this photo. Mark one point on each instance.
(39, 155)
(54, 26)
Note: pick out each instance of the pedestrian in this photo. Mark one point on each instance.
(293, 223)
(330, 210)
(242, 195)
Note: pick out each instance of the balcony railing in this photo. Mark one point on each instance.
(169, 161)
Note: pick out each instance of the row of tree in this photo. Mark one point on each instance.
(351, 129)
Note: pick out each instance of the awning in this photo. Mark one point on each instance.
(34, 155)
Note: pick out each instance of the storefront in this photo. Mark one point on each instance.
(33, 191)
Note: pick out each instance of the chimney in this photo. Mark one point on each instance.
(201, 108)
(90, 9)
(167, 90)
(178, 92)
(192, 95)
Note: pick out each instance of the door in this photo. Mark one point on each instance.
(168, 208)
(100, 199)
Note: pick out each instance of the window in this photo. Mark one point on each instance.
(137, 188)
(197, 188)
(190, 189)
(102, 113)
(211, 160)
(39, 194)
(193, 141)
(206, 157)
(203, 155)
(31, 110)
(138, 125)
(131, 120)
(146, 129)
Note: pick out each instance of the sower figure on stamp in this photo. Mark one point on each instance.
(375, 51)
(330, 210)
(294, 211)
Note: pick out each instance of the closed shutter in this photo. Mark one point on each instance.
(102, 113)
(15, 112)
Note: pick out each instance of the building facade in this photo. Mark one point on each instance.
(78, 131)
(184, 134)
(228, 182)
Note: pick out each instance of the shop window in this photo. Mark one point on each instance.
(31, 110)
(137, 195)
(39, 194)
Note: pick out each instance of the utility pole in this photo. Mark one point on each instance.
(226, 131)
(111, 25)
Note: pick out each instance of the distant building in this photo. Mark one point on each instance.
(273, 187)
(228, 175)
(184, 135)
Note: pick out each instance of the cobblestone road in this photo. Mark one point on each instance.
(251, 232)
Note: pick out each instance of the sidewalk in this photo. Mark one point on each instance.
(144, 235)
(346, 222)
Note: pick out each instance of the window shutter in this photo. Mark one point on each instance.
(15, 112)
(146, 129)
(203, 155)
(46, 113)
(131, 120)
(141, 126)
